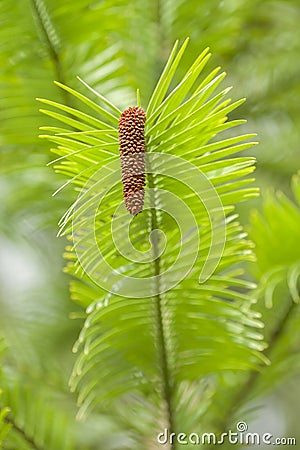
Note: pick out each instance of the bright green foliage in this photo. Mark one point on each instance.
(175, 327)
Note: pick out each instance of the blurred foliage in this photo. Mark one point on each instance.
(116, 47)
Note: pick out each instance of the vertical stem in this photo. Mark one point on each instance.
(44, 23)
(166, 375)
(167, 388)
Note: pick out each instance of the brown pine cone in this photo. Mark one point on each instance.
(132, 154)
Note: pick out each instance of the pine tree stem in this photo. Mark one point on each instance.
(166, 376)
(166, 385)
(51, 45)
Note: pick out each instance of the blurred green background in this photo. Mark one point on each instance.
(118, 46)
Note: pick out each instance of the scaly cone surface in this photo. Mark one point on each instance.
(132, 153)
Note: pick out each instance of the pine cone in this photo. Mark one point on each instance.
(132, 154)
